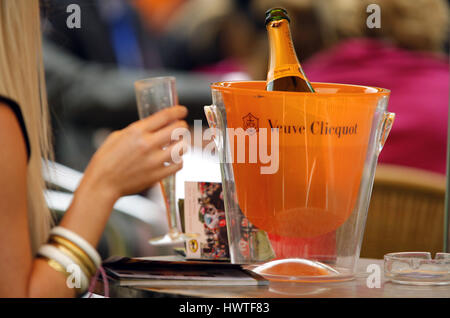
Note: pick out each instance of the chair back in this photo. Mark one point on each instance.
(406, 212)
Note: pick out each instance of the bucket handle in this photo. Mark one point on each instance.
(210, 116)
(213, 119)
(386, 125)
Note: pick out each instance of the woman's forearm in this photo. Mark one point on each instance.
(45, 282)
(90, 210)
(86, 216)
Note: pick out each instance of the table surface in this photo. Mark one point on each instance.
(356, 288)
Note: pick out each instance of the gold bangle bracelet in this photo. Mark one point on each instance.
(77, 250)
(75, 259)
(55, 265)
(81, 255)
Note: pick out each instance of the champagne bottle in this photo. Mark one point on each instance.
(285, 72)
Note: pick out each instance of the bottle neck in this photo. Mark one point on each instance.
(283, 60)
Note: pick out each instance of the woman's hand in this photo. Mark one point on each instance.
(132, 159)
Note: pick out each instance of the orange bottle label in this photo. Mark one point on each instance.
(285, 71)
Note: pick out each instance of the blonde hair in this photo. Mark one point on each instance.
(22, 79)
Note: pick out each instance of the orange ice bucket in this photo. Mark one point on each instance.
(297, 170)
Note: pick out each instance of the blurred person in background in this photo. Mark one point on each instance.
(406, 55)
(90, 71)
(207, 43)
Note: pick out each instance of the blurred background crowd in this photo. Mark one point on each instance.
(90, 70)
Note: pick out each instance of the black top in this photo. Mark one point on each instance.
(16, 109)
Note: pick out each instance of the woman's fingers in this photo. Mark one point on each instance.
(164, 135)
(166, 171)
(163, 118)
(132, 159)
(172, 154)
(175, 151)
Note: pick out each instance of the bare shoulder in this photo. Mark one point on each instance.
(13, 154)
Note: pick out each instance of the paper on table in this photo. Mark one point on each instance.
(147, 272)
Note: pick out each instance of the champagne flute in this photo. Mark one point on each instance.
(153, 95)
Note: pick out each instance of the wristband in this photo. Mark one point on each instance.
(53, 253)
(80, 242)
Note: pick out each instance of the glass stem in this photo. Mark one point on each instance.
(168, 191)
